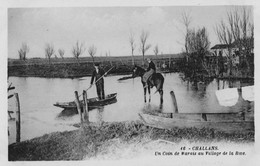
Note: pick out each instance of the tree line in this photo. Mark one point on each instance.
(79, 48)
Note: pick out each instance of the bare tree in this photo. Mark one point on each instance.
(143, 45)
(186, 20)
(23, 51)
(198, 42)
(197, 48)
(92, 51)
(61, 53)
(49, 51)
(77, 50)
(156, 50)
(132, 44)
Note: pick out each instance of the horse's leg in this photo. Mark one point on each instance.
(149, 91)
(144, 93)
(161, 96)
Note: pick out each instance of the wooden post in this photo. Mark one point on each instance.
(85, 107)
(78, 105)
(204, 116)
(18, 118)
(175, 107)
(240, 98)
(239, 89)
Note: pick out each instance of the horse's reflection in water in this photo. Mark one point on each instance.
(155, 110)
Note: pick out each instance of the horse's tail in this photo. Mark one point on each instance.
(160, 85)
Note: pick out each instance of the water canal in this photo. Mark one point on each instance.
(39, 116)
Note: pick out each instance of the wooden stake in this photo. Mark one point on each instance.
(18, 118)
(204, 116)
(85, 107)
(239, 90)
(78, 105)
(175, 107)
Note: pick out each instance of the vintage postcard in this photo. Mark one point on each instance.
(143, 83)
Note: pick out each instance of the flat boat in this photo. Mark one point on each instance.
(92, 102)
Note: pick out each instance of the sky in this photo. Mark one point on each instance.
(108, 28)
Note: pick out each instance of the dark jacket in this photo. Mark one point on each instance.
(151, 66)
(96, 76)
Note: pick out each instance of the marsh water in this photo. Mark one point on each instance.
(39, 116)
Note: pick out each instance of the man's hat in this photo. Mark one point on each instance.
(96, 64)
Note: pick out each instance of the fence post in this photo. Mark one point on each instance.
(85, 107)
(174, 101)
(18, 118)
(78, 105)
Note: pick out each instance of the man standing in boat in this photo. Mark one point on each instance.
(98, 75)
(149, 72)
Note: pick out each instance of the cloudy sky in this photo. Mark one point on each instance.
(108, 28)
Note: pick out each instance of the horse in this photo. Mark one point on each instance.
(156, 78)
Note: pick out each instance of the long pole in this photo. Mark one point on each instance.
(101, 77)
(18, 119)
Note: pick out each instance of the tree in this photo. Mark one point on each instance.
(23, 51)
(92, 51)
(132, 44)
(197, 48)
(61, 53)
(156, 50)
(143, 43)
(198, 42)
(49, 51)
(77, 50)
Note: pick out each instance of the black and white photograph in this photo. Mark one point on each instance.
(163, 84)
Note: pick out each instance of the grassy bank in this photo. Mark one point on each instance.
(72, 68)
(98, 140)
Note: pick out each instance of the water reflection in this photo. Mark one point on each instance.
(66, 113)
(151, 108)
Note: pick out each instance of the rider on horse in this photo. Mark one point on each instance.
(149, 72)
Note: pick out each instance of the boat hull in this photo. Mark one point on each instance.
(92, 102)
(229, 126)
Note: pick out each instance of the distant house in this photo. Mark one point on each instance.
(223, 48)
(249, 42)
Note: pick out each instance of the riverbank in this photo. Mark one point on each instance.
(73, 68)
(105, 141)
